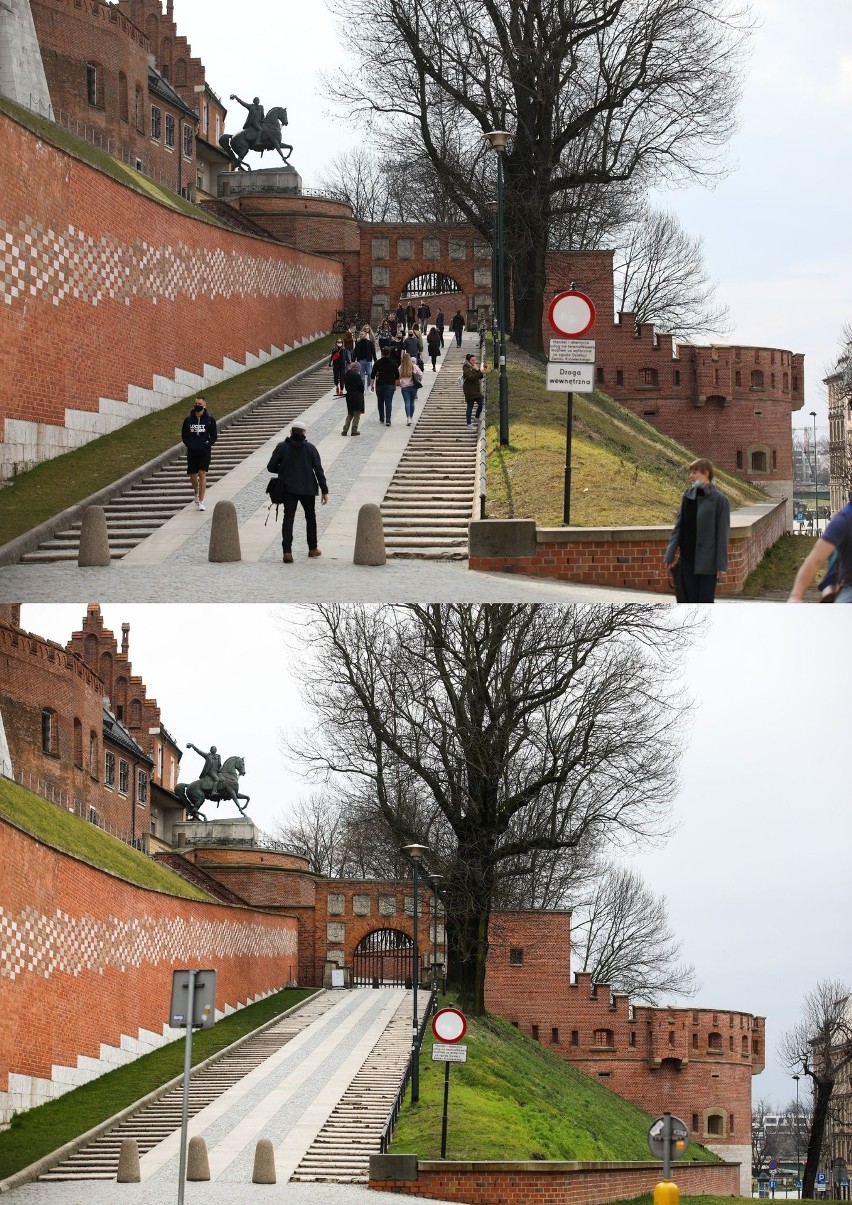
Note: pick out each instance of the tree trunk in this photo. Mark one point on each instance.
(468, 912)
(822, 1096)
(528, 280)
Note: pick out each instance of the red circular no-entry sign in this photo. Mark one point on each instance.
(571, 314)
(449, 1025)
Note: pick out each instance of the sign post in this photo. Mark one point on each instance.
(572, 315)
(668, 1139)
(193, 1006)
(449, 1026)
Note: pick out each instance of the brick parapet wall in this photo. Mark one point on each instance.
(108, 291)
(86, 961)
(632, 557)
(557, 1183)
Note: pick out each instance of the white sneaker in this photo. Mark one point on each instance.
(201, 506)
(469, 425)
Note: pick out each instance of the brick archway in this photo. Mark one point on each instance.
(383, 956)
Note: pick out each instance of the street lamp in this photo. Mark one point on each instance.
(798, 1171)
(495, 341)
(498, 140)
(813, 414)
(435, 879)
(416, 853)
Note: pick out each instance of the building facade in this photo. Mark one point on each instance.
(839, 387)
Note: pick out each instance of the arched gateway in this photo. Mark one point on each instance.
(383, 956)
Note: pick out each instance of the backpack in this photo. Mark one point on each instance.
(275, 490)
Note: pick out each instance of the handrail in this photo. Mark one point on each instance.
(387, 1131)
(478, 511)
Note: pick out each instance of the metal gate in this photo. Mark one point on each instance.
(384, 956)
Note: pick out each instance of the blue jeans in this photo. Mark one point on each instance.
(844, 595)
(458, 338)
(479, 404)
(384, 399)
(409, 393)
(366, 367)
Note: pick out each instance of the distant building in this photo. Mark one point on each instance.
(839, 385)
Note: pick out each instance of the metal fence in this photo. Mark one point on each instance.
(51, 793)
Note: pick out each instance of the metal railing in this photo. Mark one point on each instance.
(387, 1131)
(60, 798)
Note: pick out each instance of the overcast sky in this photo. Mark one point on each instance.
(776, 231)
(756, 875)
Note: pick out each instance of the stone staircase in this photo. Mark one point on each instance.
(430, 500)
(150, 502)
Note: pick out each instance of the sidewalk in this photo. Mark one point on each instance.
(172, 566)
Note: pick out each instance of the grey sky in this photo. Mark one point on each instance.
(755, 873)
(775, 231)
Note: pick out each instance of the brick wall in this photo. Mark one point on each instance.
(632, 557)
(109, 294)
(556, 1183)
(87, 961)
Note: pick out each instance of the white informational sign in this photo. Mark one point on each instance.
(337, 977)
(572, 351)
(442, 1053)
(571, 378)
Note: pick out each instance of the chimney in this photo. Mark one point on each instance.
(125, 638)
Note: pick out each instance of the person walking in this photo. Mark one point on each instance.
(297, 463)
(410, 380)
(440, 322)
(701, 533)
(413, 344)
(400, 314)
(337, 363)
(365, 353)
(433, 344)
(199, 434)
(424, 313)
(834, 546)
(472, 387)
(410, 315)
(458, 325)
(353, 384)
(384, 379)
(348, 347)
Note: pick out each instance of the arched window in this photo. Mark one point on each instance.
(135, 713)
(48, 731)
(95, 85)
(140, 110)
(757, 379)
(90, 651)
(758, 462)
(78, 744)
(715, 1125)
(745, 1045)
(93, 754)
(123, 106)
(166, 58)
(714, 1041)
(180, 72)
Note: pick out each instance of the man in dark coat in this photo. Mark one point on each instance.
(298, 464)
(458, 325)
(439, 323)
(424, 313)
(701, 533)
(199, 435)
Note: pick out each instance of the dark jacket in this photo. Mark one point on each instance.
(353, 383)
(472, 380)
(365, 349)
(298, 464)
(199, 433)
(385, 371)
(423, 312)
(707, 512)
(439, 320)
(433, 339)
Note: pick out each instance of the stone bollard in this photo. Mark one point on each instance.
(264, 1163)
(128, 1162)
(224, 533)
(369, 537)
(94, 541)
(197, 1164)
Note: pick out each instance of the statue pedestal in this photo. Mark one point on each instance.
(239, 831)
(283, 179)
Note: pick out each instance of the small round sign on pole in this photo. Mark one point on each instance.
(571, 314)
(449, 1025)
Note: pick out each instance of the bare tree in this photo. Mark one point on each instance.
(623, 937)
(820, 1047)
(380, 191)
(491, 733)
(594, 92)
(764, 1142)
(661, 278)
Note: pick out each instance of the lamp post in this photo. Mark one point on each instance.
(435, 879)
(813, 414)
(416, 853)
(498, 140)
(495, 341)
(798, 1171)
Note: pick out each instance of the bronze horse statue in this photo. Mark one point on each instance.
(193, 794)
(237, 146)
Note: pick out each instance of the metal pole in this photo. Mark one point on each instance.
(444, 1118)
(415, 1062)
(667, 1146)
(501, 296)
(816, 491)
(187, 1068)
(798, 1173)
(569, 428)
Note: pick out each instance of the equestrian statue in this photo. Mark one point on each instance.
(261, 132)
(218, 782)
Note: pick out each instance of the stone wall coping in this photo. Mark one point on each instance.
(743, 520)
(554, 1166)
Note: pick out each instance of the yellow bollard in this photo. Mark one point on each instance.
(666, 1193)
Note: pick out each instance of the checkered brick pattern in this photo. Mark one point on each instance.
(58, 264)
(36, 943)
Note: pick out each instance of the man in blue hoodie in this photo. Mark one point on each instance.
(199, 435)
(298, 464)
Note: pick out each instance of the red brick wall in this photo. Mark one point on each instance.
(163, 291)
(632, 557)
(94, 956)
(557, 1184)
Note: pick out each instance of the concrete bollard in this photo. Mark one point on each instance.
(264, 1163)
(128, 1162)
(197, 1163)
(94, 541)
(369, 537)
(224, 533)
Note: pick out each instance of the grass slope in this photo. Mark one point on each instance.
(65, 831)
(515, 1099)
(39, 1131)
(50, 487)
(624, 471)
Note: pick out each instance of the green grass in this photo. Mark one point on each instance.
(39, 1131)
(648, 1199)
(65, 831)
(515, 1099)
(775, 574)
(50, 487)
(624, 471)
